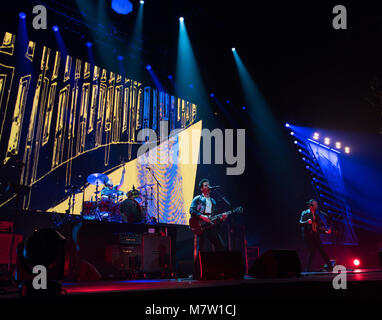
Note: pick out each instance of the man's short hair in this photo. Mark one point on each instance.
(309, 203)
(202, 181)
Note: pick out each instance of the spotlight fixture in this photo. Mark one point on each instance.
(244, 108)
(181, 19)
(316, 136)
(227, 101)
(88, 44)
(55, 28)
(120, 58)
(233, 49)
(295, 142)
(347, 150)
(327, 141)
(122, 6)
(292, 133)
(148, 67)
(22, 15)
(170, 76)
(338, 145)
(287, 125)
(141, 2)
(212, 95)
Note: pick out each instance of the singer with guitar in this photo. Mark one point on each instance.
(312, 226)
(203, 207)
(203, 221)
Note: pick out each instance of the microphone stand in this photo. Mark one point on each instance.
(231, 207)
(224, 199)
(158, 185)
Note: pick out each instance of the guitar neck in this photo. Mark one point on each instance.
(220, 215)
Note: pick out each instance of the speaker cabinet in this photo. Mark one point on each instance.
(5, 247)
(219, 265)
(124, 257)
(276, 264)
(156, 253)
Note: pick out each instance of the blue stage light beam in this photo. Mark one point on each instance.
(98, 10)
(89, 46)
(22, 41)
(60, 41)
(155, 78)
(187, 71)
(267, 131)
(133, 54)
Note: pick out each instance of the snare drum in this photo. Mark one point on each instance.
(105, 205)
(89, 207)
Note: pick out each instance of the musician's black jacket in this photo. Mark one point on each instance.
(306, 228)
(198, 206)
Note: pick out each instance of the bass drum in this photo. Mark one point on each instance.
(131, 211)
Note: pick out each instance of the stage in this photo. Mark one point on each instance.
(361, 284)
(146, 142)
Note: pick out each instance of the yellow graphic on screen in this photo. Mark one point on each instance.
(59, 108)
(175, 194)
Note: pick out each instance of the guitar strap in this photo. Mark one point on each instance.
(314, 224)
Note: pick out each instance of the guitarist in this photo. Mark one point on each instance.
(312, 226)
(204, 207)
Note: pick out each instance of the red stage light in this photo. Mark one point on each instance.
(356, 262)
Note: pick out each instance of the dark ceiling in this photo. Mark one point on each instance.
(309, 73)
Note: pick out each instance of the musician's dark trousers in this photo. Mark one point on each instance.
(209, 235)
(314, 245)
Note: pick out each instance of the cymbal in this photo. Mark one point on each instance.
(97, 178)
(146, 185)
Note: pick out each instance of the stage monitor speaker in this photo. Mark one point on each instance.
(219, 265)
(276, 264)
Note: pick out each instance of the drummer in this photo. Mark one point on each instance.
(109, 191)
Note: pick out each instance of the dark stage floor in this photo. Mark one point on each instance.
(361, 284)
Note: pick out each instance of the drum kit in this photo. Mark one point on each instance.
(115, 205)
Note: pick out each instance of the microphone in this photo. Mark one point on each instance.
(214, 187)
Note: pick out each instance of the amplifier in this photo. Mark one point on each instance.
(127, 238)
(152, 255)
(5, 247)
(124, 257)
(6, 227)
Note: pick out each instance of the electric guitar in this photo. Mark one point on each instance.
(198, 226)
(316, 227)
